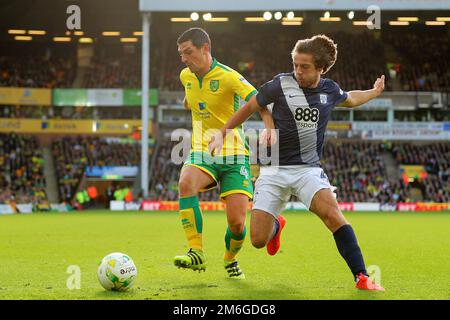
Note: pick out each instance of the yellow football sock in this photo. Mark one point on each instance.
(233, 243)
(192, 221)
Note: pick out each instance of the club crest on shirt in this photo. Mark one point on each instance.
(323, 98)
(214, 85)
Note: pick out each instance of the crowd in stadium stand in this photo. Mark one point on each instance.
(357, 169)
(21, 171)
(37, 71)
(50, 112)
(164, 180)
(424, 63)
(413, 62)
(357, 66)
(359, 172)
(435, 157)
(113, 73)
(74, 154)
(165, 175)
(359, 71)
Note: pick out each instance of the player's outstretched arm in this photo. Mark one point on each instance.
(358, 97)
(216, 142)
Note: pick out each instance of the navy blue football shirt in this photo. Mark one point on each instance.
(301, 115)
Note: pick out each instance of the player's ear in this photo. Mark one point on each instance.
(322, 70)
(206, 48)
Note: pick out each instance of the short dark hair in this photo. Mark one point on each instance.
(198, 36)
(322, 48)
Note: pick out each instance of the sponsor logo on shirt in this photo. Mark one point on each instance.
(244, 81)
(307, 117)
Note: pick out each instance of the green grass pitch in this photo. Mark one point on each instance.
(412, 251)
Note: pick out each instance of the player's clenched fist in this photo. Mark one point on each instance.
(379, 84)
(268, 137)
(215, 143)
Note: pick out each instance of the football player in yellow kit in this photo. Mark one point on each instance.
(213, 92)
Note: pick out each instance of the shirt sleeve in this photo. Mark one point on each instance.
(268, 93)
(339, 94)
(242, 87)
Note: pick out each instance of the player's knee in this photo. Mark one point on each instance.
(186, 188)
(237, 227)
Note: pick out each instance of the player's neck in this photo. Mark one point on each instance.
(201, 73)
(313, 86)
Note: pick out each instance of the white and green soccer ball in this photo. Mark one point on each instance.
(116, 272)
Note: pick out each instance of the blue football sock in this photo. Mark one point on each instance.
(276, 227)
(349, 249)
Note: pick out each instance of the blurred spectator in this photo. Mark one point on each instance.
(73, 154)
(40, 69)
(165, 175)
(359, 173)
(21, 170)
(361, 58)
(435, 157)
(46, 112)
(424, 59)
(357, 169)
(113, 73)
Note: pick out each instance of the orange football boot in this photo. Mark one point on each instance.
(363, 282)
(274, 244)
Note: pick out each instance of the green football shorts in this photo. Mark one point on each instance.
(231, 172)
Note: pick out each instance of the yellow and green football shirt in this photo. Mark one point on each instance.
(213, 99)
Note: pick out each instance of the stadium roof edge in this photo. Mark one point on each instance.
(287, 5)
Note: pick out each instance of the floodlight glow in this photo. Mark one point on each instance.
(207, 16)
(194, 16)
(290, 15)
(267, 15)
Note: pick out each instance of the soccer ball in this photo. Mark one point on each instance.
(116, 272)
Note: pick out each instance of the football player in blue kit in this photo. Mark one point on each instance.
(302, 102)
